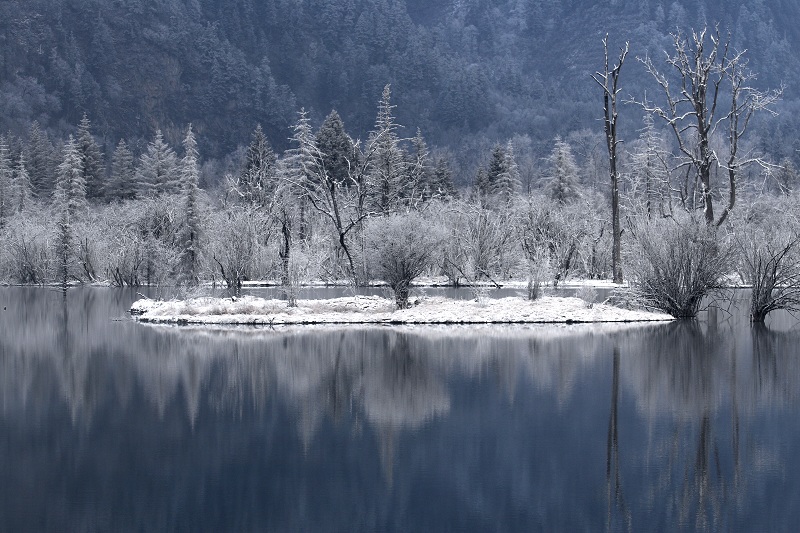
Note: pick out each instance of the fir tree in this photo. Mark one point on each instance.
(190, 178)
(158, 171)
(122, 184)
(338, 152)
(91, 161)
(563, 176)
(257, 179)
(443, 178)
(40, 158)
(6, 184)
(22, 185)
(70, 193)
(388, 168)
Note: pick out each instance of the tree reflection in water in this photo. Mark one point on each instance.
(140, 427)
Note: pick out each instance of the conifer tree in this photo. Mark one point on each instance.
(22, 185)
(70, 203)
(70, 193)
(158, 171)
(443, 178)
(339, 155)
(6, 184)
(91, 161)
(257, 179)
(122, 184)
(190, 178)
(419, 183)
(388, 168)
(563, 174)
(40, 158)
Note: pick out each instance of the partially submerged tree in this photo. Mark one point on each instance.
(712, 98)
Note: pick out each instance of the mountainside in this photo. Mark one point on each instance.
(464, 71)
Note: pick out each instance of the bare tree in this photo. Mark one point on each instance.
(609, 81)
(708, 72)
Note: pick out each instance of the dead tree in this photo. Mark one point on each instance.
(707, 73)
(609, 81)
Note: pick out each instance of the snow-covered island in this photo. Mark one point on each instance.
(376, 310)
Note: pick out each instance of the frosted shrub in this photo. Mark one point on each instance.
(769, 260)
(587, 294)
(674, 264)
(400, 248)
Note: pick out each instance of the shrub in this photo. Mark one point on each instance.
(400, 248)
(674, 264)
(769, 260)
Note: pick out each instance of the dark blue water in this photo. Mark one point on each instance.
(110, 425)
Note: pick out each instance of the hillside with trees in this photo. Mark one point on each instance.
(177, 141)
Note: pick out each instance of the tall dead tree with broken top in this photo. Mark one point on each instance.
(608, 80)
(712, 98)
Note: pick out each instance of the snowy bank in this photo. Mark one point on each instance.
(377, 310)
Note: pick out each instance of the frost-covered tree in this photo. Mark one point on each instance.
(91, 161)
(442, 180)
(158, 171)
(649, 191)
(70, 193)
(338, 151)
(562, 175)
(41, 160)
(502, 175)
(7, 203)
(70, 203)
(257, 178)
(190, 239)
(23, 189)
(420, 186)
(387, 171)
(709, 97)
(122, 184)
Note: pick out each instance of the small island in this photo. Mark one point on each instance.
(251, 310)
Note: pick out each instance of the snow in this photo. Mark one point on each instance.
(376, 310)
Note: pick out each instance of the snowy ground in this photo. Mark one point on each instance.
(377, 310)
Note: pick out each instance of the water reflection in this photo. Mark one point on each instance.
(113, 425)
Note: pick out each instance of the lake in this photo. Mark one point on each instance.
(111, 425)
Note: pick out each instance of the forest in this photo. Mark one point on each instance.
(177, 142)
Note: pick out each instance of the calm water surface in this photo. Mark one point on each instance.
(110, 425)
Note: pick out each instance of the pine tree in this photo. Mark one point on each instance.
(257, 179)
(70, 203)
(6, 184)
(563, 176)
(443, 179)
(190, 178)
(649, 186)
(22, 185)
(338, 152)
(420, 181)
(122, 184)
(91, 161)
(388, 168)
(507, 183)
(40, 158)
(70, 193)
(158, 171)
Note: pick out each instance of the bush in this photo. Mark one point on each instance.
(769, 260)
(674, 264)
(400, 248)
